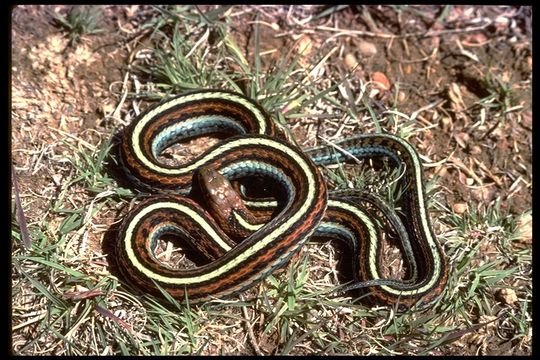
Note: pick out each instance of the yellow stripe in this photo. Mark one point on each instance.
(244, 254)
(166, 206)
(181, 100)
(373, 247)
(311, 186)
(245, 224)
(423, 217)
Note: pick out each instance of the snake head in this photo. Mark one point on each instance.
(223, 202)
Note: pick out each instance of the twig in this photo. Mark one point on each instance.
(79, 140)
(392, 36)
(427, 107)
(458, 163)
(251, 335)
(19, 213)
(106, 313)
(450, 337)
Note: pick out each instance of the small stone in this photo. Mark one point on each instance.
(350, 61)
(367, 49)
(401, 96)
(381, 80)
(460, 208)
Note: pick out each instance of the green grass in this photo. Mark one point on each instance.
(292, 312)
(80, 21)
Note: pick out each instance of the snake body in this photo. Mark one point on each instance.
(256, 146)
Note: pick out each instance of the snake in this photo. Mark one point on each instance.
(245, 238)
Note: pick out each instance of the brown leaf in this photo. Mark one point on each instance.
(484, 193)
(506, 296)
(524, 228)
(78, 295)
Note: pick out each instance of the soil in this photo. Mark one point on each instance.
(61, 90)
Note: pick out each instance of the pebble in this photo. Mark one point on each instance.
(350, 61)
(460, 208)
(367, 49)
(381, 80)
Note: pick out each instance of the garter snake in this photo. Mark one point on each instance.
(258, 146)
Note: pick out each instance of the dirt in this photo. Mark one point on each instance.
(59, 90)
(501, 155)
(67, 88)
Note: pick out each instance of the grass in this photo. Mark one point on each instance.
(80, 21)
(66, 302)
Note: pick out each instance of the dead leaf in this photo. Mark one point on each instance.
(455, 95)
(484, 193)
(506, 296)
(524, 228)
(462, 139)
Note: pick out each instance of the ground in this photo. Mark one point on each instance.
(463, 71)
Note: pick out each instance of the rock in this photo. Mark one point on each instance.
(350, 61)
(460, 208)
(381, 80)
(367, 49)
